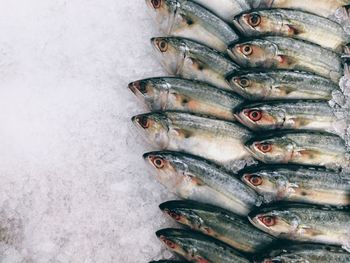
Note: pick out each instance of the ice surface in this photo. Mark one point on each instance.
(73, 184)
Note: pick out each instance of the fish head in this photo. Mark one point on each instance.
(259, 116)
(152, 92)
(255, 53)
(250, 86)
(170, 168)
(277, 222)
(173, 240)
(170, 52)
(271, 149)
(181, 213)
(155, 126)
(263, 182)
(257, 22)
(163, 12)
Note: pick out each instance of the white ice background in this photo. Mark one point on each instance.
(73, 185)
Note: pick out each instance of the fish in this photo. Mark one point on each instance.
(225, 9)
(176, 94)
(196, 247)
(300, 147)
(219, 141)
(295, 183)
(193, 178)
(295, 24)
(306, 223)
(187, 19)
(306, 253)
(190, 60)
(298, 115)
(218, 223)
(282, 85)
(275, 52)
(325, 8)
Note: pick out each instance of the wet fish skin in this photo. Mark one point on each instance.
(183, 95)
(282, 84)
(325, 8)
(190, 60)
(300, 114)
(182, 18)
(295, 183)
(307, 253)
(300, 147)
(196, 247)
(275, 52)
(295, 24)
(193, 178)
(226, 9)
(219, 141)
(315, 224)
(218, 223)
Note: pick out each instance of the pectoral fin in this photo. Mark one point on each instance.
(294, 30)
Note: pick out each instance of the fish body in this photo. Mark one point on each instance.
(186, 96)
(182, 18)
(307, 253)
(295, 24)
(219, 141)
(190, 60)
(275, 52)
(306, 115)
(193, 178)
(298, 184)
(300, 147)
(282, 84)
(305, 223)
(196, 247)
(218, 223)
(325, 8)
(225, 9)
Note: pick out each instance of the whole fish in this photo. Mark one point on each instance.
(190, 60)
(187, 19)
(307, 253)
(282, 84)
(193, 178)
(305, 223)
(300, 147)
(295, 24)
(274, 52)
(225, 9)
(212, 139)
(218, 223)
(306, 115)
(298, 184)
(196, 247)
(187, 96)
(326, 8)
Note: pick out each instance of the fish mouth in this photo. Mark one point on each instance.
(135, 87)
(236, 23)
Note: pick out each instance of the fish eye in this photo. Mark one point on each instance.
(255, 115)
(174, 215)
(156, 3)
(268, 220)
(254, 20)
(264, 147)
(158, 162)
(247, 50)
(255, 180)
(244, 82)
(143, 121)
(170, 243)
(162, 45)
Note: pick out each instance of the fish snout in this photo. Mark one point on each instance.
(134, 86)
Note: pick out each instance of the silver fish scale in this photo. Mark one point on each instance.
(212, 21)
(211, 57)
